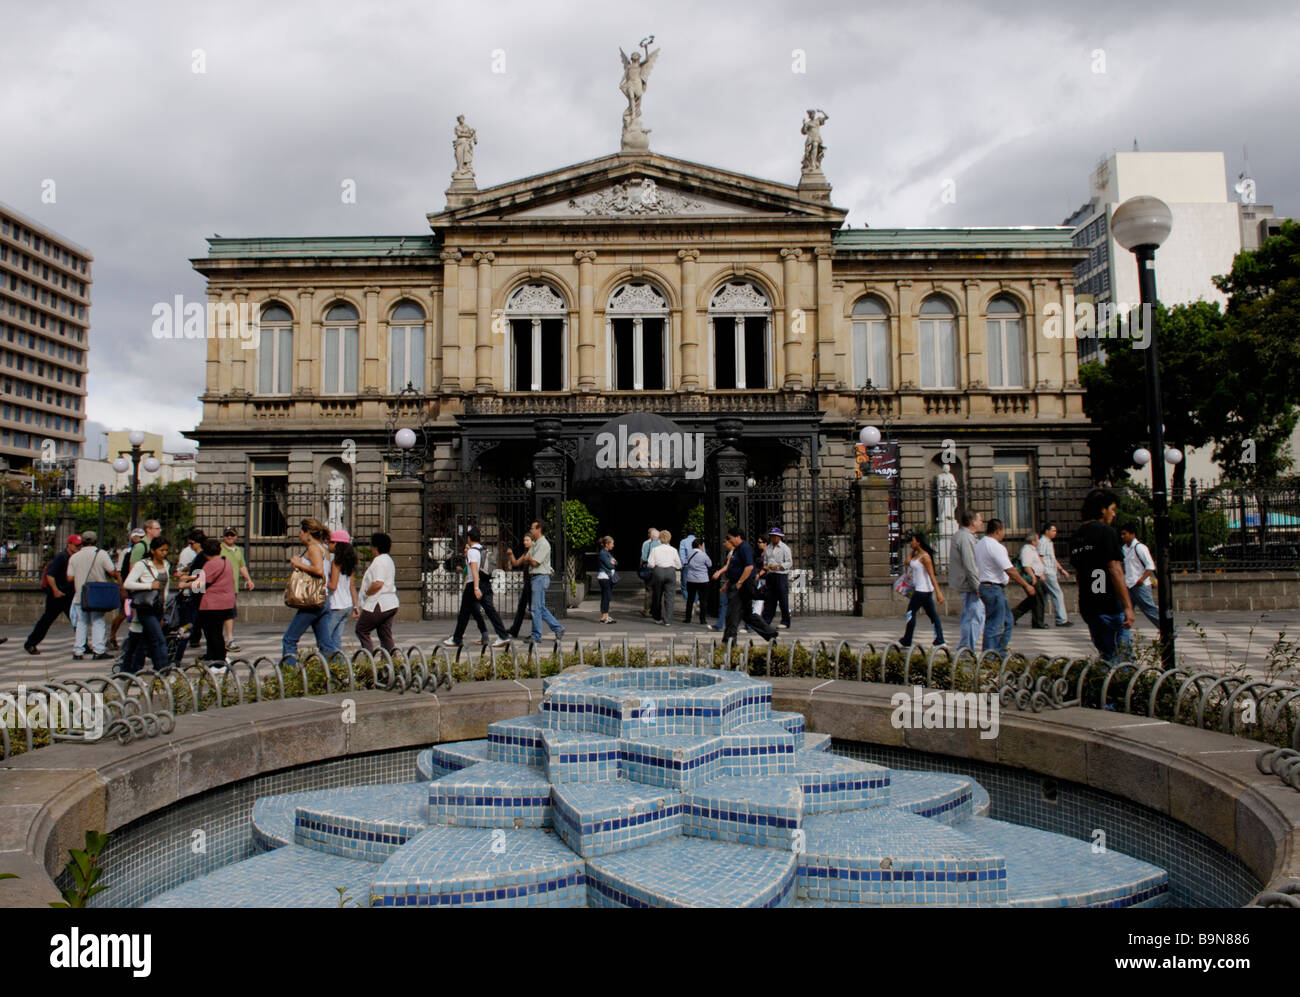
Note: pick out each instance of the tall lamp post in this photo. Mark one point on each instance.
(1140, 225)
(122, 465)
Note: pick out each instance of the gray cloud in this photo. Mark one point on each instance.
(999, 98)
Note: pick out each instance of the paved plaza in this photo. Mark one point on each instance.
(1228, 639)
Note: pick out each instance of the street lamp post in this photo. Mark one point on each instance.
(151, 464)
(1140, 225)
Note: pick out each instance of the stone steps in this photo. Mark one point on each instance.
(595, 818)
(363, 822)
(832, 782)
(290, 876)
(692, 872)
(940, 796)
(491, 794)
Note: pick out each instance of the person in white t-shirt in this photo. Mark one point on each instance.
(378, 594)
(1032, 562)
(1047, 551)
(1138, 571)
(995, 568)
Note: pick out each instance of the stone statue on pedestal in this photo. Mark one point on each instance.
(334, 512)
(463, 145)
(636, 74)
(945, 492)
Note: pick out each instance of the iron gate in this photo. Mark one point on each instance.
(502, 509)
(819, 530)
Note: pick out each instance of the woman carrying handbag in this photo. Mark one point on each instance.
(147, 587)
(306, 591)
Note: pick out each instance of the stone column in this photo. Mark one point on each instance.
(433, 343)
(586, 320)
(239, 356)
(796, 323)
(1069, 347)
(483, 324)
(405, 526)
(368, 377)
(828, 316)
(908, 366)
(689, 359)
(451, 320)
(972, 363)
(1037, 352)
(303, 344)
(875, 586)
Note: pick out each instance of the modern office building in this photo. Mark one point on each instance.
(1206, 234)
(44, 337)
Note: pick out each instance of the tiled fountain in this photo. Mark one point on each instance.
(659, 787)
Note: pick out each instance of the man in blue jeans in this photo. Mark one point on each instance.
(1098, 564)
(538, 559)
(995, 569)
(964, 577)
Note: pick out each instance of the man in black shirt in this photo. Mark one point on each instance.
(58, 594)
(740, 599)
(1098, 562)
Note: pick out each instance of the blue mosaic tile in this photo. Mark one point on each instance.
(1050, 870)
(760, 748)
(491, 794)
(793, 722)
(287, 877)
(765, 811)
(816, 742)
(596, 818)
(692, 872)
(482, 867)
(362, 822)
(887, 856)
(443, 759)
(517, 741)
(577, 756)
(948, 799)
(677, 761)
(831, 782)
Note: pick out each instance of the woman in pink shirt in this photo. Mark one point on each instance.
(218, 599)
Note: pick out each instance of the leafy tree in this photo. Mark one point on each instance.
(1190, 344)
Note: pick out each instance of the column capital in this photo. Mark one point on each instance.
(788, 254)
(1039, 282)
(372, 289)
(482, 258)
(688, 254)
(585, 255)
(450, 256)
(824, 252)
(306, 292)
(970, 282)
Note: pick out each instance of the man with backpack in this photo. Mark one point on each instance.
(476, 597)
(88, 566)
(58, 594)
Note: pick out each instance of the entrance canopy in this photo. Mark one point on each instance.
(641, 451)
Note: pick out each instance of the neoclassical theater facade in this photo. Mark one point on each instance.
(733, 306)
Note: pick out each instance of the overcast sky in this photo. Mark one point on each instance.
(149, 157)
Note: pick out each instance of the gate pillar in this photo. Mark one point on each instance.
(550, 470)
(405, 527)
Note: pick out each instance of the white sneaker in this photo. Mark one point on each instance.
(503, 642)
(451, 642)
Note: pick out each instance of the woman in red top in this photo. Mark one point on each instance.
(218, 599)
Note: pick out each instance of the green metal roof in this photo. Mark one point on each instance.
(327, 245)
(927, 239)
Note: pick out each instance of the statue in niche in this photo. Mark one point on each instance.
(335, 508)
(945, 493)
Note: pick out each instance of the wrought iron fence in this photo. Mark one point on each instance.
(1220, 529)
(35, 525)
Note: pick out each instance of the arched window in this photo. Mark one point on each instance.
(636, 321)
(1006, 329)
(275, 351)
(406, 347)
(740, 325)
(870, 343)
(342, 340)
(538, 316)
(938, 343)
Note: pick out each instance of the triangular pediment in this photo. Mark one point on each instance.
(642, 188)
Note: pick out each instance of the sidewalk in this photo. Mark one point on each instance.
(1228, 638)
